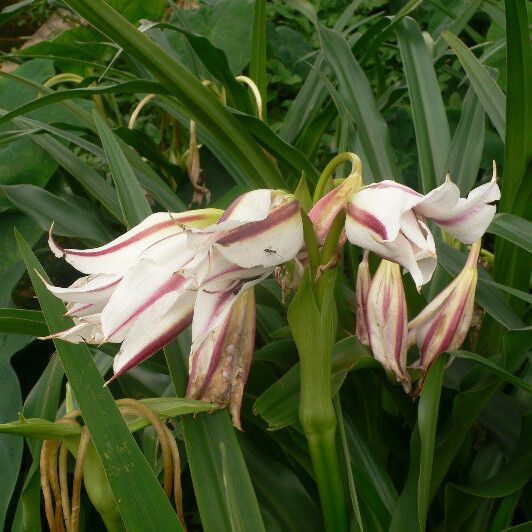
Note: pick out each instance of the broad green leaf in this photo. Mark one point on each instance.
(257, 65)
(488, 92)
(430, 121)
(513, 228)
(69, 218)
(139, 496)
(134, 205)
(20, 321)
(201, 104)
(357, 97)
(223, 489)
(467, 144)
(428, 408)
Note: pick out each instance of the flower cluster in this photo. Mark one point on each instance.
(198, 267)
(173, 270)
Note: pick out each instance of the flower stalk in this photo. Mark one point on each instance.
(313, 319)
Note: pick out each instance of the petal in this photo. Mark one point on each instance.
(142, 286)
(249, 207)
(471, 216)
(87, 330)
(160, 324)
(269, 242)
(115, 257)
(399, 250)
(220, 364)
(380, 207)
(89, 289)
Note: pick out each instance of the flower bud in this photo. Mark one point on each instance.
(362, 290)
(443, 324)
(387, 320)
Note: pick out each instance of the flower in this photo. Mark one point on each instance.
(389, 219)
(145, 287)
(386, 319)
(443, 324)
(222, 347)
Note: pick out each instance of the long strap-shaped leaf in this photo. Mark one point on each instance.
(357, 96)
(224, 492)
(139, 496)
(430, 122)
(202, 104)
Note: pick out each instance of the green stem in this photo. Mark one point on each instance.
(322, 447)
(356, 168)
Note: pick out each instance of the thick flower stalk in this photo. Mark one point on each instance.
(443, 324)
(386, 318)
(390, 220)
(145, 287)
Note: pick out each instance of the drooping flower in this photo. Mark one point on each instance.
(387, 320)
(222, 347)
(389, 219)
(443, 324)
(145, 287)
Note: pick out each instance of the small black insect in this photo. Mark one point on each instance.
(270, 251)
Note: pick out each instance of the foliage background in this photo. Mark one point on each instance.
(386, 82)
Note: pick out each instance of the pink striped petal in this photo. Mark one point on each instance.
(269, 242)
(115, 257)
(154, 328)
(142, 286)
(363, 283)
(469, 218)
(89, 289)
(220, 363)
(87, 330)
(387, 320)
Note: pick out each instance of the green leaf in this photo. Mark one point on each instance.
(88, 178)
(280, 492)
(41, 402)
(430, 121)
(139, 496)
(518, 145)
(488, 92)
(19, 321)
(134, 204)
(69, 218)
(512, 228)
(257, 65)
(358, 99)
(428, 408)
(500, 372)
(41, 429)
(201, 104)
(223, 489)
(467, 145)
